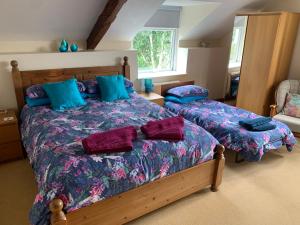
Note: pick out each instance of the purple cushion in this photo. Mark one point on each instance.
(37, 90)
(188, 90)
(128, 83)
(92, 86)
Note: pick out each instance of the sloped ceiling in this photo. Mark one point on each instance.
(39, 20)
(215, 21)
(31, 20)
(220, 21)
(132, 18)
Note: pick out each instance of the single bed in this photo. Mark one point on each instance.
(75, 188)
(222, 121)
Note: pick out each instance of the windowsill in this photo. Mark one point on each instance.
(159, 74)
(234, 65)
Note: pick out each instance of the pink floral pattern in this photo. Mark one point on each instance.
(188, 90)
(53, 143)
(222, 121)
(292, 105)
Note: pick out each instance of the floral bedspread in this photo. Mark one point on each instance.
(62, 169)
(221, 121)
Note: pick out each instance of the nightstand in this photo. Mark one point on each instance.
(153, 97)
(10, 144)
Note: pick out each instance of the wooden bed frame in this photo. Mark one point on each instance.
(136, 202)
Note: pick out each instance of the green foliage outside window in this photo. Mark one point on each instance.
(155, 50)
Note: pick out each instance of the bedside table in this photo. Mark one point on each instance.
(153, 97)
(10, 144)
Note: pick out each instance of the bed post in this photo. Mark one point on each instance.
(273, 111)
(220, 162)
(58, 217)
(16, 75)
(126, 68)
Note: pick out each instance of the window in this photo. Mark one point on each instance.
(237, 44)
(156, 49)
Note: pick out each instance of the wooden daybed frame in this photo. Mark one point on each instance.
(136, 202)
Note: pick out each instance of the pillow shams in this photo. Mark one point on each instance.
(187, 91)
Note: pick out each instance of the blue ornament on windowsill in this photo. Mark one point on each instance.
(148, 85)
(74, 47)
(63, 49)
(63, 46)
(64, 43)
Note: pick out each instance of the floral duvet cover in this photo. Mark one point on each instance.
(222, 121)
(62, 168)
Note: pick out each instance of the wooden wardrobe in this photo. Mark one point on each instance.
(268, 49)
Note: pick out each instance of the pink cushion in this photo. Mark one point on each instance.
(292, 105)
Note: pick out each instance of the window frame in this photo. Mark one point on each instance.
(173, 50)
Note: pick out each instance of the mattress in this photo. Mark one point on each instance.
(62, 168)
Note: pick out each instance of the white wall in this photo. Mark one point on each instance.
(36, 46)
(208, 67)
(292, 6)
(35, 61)
(192, 16)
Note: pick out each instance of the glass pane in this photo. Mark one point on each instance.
(154, 50)
(238, 38)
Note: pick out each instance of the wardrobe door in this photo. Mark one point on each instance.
(257, 57)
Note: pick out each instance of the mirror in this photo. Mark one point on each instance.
(235, 59)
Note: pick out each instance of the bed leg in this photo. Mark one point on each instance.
(238, 159)
(220, 162)
(58, 217)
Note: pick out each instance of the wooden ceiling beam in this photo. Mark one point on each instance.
(104, 21)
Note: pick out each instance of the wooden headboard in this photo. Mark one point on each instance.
(166, 87)
(24, 79)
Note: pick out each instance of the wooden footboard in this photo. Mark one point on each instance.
(137, 202)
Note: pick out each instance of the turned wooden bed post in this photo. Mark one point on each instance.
(273, 111)
(17, 79)
(220, 162)
(58, 217)
(126, 68)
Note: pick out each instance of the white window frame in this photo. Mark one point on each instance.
(173, 53)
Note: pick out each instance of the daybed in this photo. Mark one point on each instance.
(222, 121)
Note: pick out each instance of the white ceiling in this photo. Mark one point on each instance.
(32, 20)
(213, 24)
(220, 21)
(38, 20)
(132, 18)
(184, 2)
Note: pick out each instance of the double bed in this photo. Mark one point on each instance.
(222, 121)
(77, 188)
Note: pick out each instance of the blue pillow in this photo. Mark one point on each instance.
(112, 88)
(37, 91)
(64, 95)
(32, 102)
(183, 100)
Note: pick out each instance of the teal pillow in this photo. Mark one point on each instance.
(183, 100)
(32, 102)
(112, 88)
(64, 95)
